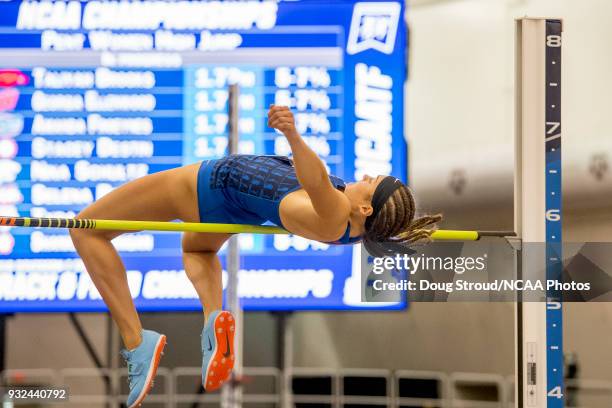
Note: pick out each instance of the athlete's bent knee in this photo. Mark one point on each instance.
(81, 236)
(203, 242)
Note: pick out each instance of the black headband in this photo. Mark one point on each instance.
(382, 193)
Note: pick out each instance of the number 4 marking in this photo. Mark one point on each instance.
(556, 392)
(553, 126)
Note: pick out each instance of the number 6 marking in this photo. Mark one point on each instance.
(553, 215)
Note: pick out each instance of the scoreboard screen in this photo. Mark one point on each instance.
(95, 94)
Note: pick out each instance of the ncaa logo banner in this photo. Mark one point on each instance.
(374, 26)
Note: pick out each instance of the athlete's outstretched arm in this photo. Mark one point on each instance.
(329, 203)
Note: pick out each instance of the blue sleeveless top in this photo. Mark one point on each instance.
(248, 189)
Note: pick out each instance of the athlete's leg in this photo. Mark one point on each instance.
(203, 267)
(163, 196)
(204, 270)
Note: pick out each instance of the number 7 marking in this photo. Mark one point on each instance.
(553, 126)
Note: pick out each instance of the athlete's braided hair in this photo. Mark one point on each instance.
(395, 225)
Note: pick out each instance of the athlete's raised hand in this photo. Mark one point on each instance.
(281, 118)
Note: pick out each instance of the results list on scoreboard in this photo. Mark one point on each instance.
(70, 135)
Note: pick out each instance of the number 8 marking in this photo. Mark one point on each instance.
(553, 40)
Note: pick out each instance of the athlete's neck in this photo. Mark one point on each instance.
(357, 225)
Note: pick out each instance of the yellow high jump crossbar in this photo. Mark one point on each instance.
(124, 225)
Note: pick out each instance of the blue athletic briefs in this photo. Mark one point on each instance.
(248, 189)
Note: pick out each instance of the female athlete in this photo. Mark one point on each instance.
(297, 194)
